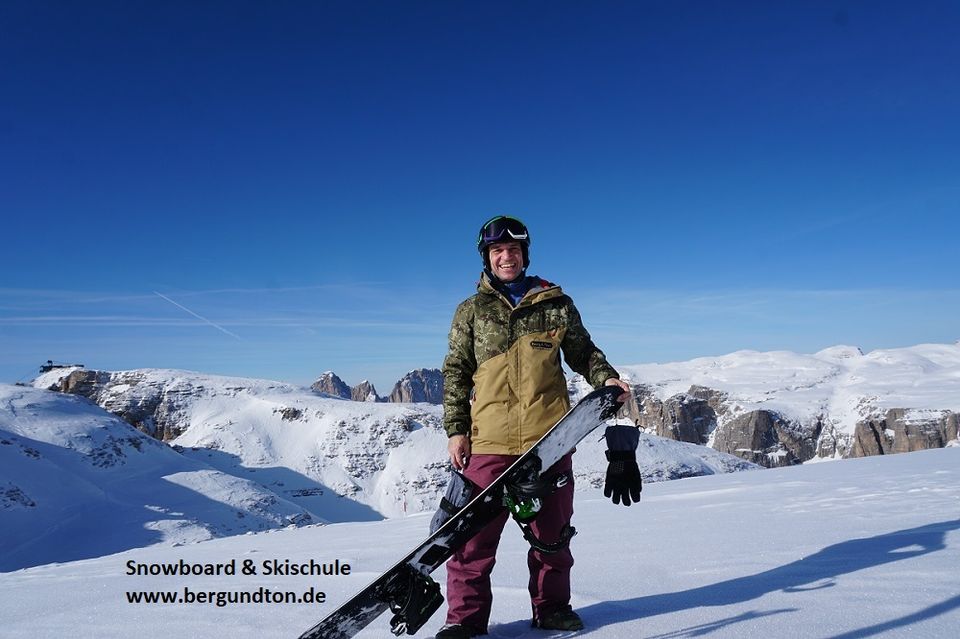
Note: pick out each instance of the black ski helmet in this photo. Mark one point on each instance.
(503, 228)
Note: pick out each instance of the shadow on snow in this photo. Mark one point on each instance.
(117, 512)
(293, 486)
(810, 573)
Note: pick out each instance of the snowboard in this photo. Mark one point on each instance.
(407, 589)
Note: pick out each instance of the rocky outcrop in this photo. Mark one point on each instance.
(364, 392)
(683, 417)
(698, 416)
(422, 385)
(764, 437)
(902, 431)
(12, 496)
(330, 384)
(155, 410)
(83, 382)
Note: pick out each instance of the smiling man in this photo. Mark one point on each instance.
(504, 387)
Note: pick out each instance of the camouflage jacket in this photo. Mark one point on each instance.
(507, 361)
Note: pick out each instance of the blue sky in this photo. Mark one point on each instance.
(279, 189)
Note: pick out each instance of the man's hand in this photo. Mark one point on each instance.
(459, 448)
(613, 381)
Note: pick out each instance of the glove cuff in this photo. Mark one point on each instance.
(621, 455)
(622, 437)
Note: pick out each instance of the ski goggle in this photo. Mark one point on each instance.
(502, 229)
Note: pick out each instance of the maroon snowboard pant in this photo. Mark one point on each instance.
(468, 571)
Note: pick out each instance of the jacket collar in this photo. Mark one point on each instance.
(541, 290)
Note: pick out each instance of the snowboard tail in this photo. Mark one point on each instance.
(407, 589)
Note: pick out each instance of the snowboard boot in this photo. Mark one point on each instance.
(563, 619)
(459, 631)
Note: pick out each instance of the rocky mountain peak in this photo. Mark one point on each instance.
(365, 392)
(330, 384)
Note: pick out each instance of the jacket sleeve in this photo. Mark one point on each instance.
(458, 368)
(582, 355)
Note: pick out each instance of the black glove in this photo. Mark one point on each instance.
(623, 475)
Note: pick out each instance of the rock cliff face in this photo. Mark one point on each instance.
(770, 438)
(422, 385)
(685, 417)
(779, 408)
(155, 410)
(766, 438)
(902, 431)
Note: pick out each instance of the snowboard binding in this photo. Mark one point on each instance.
(413, 598)
(523, 496)
(523, 499)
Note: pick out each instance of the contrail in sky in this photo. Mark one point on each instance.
(200, 317)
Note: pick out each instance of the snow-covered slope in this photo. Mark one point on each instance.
(861, 548)
(829, 393)
(327, 454)
(78, 482)
(343, 460)
(840, 381)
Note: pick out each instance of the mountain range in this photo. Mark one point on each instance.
(114, 460)
(423, 385)
(88, 456)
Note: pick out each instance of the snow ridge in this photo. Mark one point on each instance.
(830, 392)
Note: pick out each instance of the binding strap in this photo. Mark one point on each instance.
(566, 534)
(448, 506)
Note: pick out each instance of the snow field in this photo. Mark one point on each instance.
(859, 548)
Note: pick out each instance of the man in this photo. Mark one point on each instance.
(503, 389)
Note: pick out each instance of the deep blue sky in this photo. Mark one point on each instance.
(309, 177)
